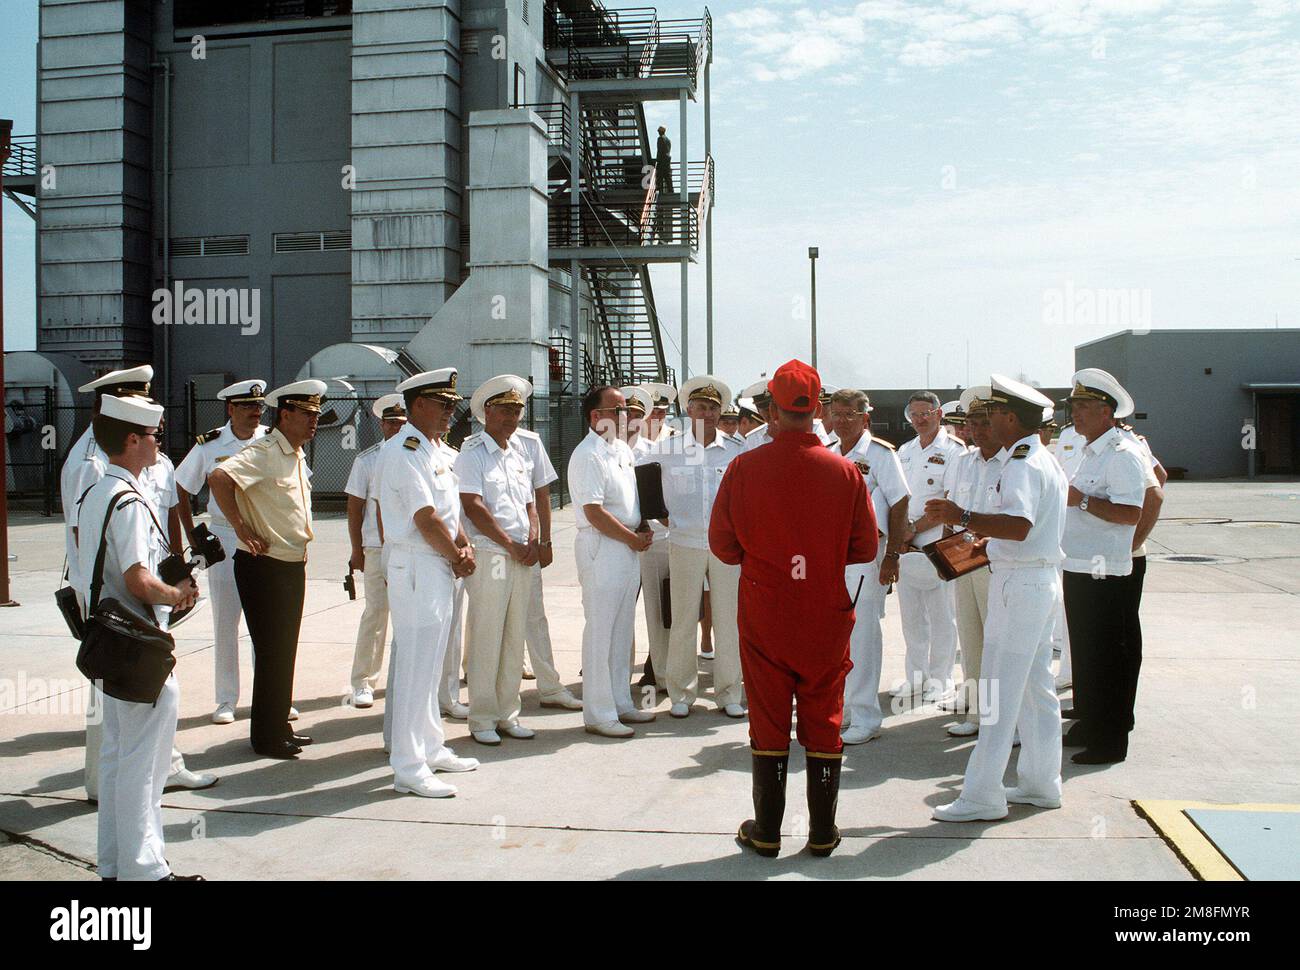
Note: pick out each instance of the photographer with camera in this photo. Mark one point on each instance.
(244, 404)
(136, 750)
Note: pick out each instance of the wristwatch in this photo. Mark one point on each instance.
(965, 518)
(544, 544)
(1083, 504)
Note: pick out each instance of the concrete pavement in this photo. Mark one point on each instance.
(1217, 721)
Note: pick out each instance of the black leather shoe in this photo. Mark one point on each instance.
(1069, 714)
(172, 877)
(1076, 737)
(301, 740)
(279, 749)
(1098, 756)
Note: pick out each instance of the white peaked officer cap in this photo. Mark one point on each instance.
(747, 406)
(953, 412)
(638, 397)
(706, 387)
(440, 384)
(303, 395)
(1094, 384)
(244, 392)
(661, 394)
(120, 383)
(975, 398)
(391, 407)
(133, 410)
(504, 389)
(1004, 390)
(756, 390)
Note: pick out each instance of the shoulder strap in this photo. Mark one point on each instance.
(97, 577)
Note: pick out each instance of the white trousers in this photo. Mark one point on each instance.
(372, 631)
(134, 762)
(972, 592)
(499, 592)
(654, 569)
(1017, 688)
(687, 571)
(866, 644)
(420, 594)
(95, 714)
(1061, 635)
(608, 573)
(449, 682)
(928, 610)
(537, 638)
(226, 610)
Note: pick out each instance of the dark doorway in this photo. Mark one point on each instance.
(1279, 434)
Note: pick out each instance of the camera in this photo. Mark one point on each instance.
(206, 550)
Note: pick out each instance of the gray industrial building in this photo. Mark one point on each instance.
(355, 190)
(1214, 403)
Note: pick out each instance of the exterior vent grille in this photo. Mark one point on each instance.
(313, 242)
(469, 42)
(464, 242)
(209, 246)
(525, 11)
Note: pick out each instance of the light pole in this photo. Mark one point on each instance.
(6, 129)
(927, 372)
(812, 263)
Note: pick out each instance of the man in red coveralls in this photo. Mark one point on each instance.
(794, 614)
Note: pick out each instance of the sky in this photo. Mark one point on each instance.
(989, 182)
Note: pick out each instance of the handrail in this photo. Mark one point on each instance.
(648, 51)
(21, 162)
(618, 225)
(556, 116)
(705, 201)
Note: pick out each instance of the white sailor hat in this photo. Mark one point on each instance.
(639, 398)
(953, 413)
(390, 407)
(731, 410)
(139, 411)
(706, 387)
(1004, 390)
(975, 398)
(244, 392)
(504, 389)
(440, 384)
(661, 395)
(1094, 384)
(132, 381)
(827, 391)
(747, 406)
(757, 390)
(304, 395)
(1049, 417)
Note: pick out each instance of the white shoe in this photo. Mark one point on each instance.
(363, 697)
(859, 735)
(1016, 797)
(637, 717)
(490, 738)
(528, 671)
(563, 700)
(517, 731)
(938, 693)
(189, 780)
(457, 711)
(428, 787)
(293, 714)
(707, 654)
(963, 811)
(733, 710)
(610, 729)
(1064, 684)
(964, 729)
(224, 714)
(680, 710)
(447, 761)
(904, 688)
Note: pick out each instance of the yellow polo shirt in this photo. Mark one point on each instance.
(274, 495)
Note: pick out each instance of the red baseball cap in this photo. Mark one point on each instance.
(795, 387)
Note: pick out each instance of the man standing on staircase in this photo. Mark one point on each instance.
(663, 185)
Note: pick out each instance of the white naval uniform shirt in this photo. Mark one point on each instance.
(502, 477)
(193, 471)
(84, 465)
(1068, 449)
(134, 536)
(601, 473)
(882, 473)
(691, 474)
(1152, 480)
(972, 477)
(416, 473)
(926, 471)
(1030, 486)
(640, 447)
(361, 484)
(530, 442)
(1112, 468)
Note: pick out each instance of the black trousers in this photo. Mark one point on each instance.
(271, 592)
(1097, 612)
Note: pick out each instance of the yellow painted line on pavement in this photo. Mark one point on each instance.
(1196, 851)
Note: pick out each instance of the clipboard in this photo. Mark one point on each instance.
(955, 556)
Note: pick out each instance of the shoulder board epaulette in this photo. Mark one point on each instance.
(1125, 427)
(207, 436)
(526, 433)
(412, 443)
(471, 440)
(365, 451)
(883, 443)
(1022, 451)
